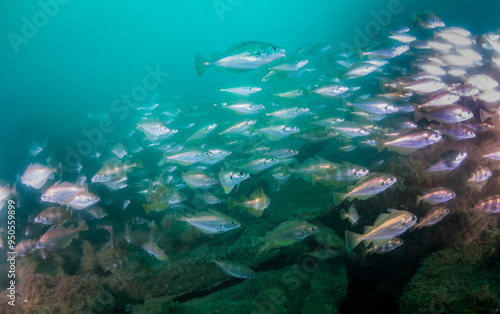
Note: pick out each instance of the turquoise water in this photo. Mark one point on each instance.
(67, 69)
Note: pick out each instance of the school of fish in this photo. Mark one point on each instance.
(419, 87)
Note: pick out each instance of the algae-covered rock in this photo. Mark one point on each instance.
(453, 280)
(308, 286)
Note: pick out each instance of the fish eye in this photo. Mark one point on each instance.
(275, 48)
(232, 223)
(241, 174)
(313, 229)
(258, 53)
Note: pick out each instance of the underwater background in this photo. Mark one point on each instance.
(61, 79)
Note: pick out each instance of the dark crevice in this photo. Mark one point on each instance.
(203, 293)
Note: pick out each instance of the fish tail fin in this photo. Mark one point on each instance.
(314, 178)
(286, 170)
(419, 199)
(147, 207)
(338, 197)
(418, 115)
(138, 164)
(352, 240)
(359, 53)
(14, 191)
(231, 203)
(382, 82)
(414, 16)
(380, 143)
(179, 216)
(256, 241)
(343, 214)
(58, 170)
(201, 64)
(83, 226)
(412, 228)
(346, 103)
(484, 114)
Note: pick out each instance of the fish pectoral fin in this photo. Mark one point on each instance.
(227, 189)
(204, 230)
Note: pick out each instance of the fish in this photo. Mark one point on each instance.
(284, 234)
(114, 171)
(447, 114)
(241, 57)
(289, 114)
(235, 269)
(366, 187)
(384, 248)
(5, 193)
(331, 90)
(119, 151)
(436, 195)
(83, 200)
(230, 178)
(210, 222)
(385, 228)
(34, 148)
(242, 90)
(277, 132)
(154, 250)
(154, 129)
(37, 175)
(255, 204)
(479, 178)
(490, 204)
(198, 179)
(62, 193)
(257, 165)
(340, 174)
(59, 237)
(410, 141)
(244, 108)
(188, 156)
(447, 162)
(53, 215)
(97, 212)
(375, 106)
(202, 133)
(351, 214)
(435, 215)
(25, 247)
(427, 19)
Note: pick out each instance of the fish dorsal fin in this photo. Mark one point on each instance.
(392, 210)
(64, 184)
(237, 46)
(381, 218)
(255, 194)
